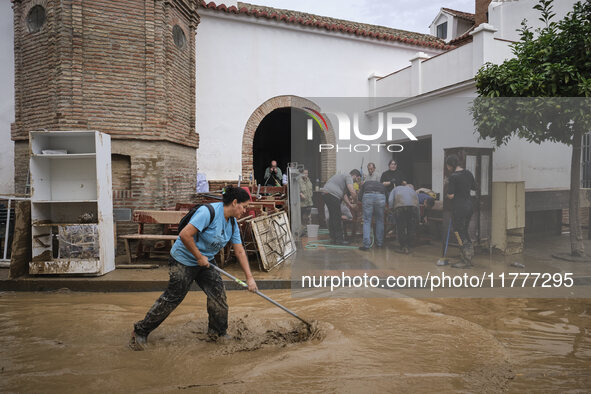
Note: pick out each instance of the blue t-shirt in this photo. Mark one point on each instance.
(214, 238)
(423, 197)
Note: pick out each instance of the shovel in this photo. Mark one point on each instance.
(241, 283)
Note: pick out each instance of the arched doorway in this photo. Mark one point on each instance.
(268, 135)
(275, 139)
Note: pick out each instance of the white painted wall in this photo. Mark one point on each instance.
(462, 26)
(450, 125)
(243, 61)
(507, 16)
(455, 66)
(6, 98)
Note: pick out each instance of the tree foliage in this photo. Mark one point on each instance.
(553, 61)
(542, 94)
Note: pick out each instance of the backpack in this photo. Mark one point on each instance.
(187, 218)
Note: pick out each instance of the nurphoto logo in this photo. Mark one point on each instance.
(394, 121)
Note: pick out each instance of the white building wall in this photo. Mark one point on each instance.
(242, 62)
(447, 69)
(507, 16)
(447, 121)
(6, 98)
(397, 86)
(462, 27)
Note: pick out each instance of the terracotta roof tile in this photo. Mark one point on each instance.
(460, 14)
(463, 39)
(333, 24)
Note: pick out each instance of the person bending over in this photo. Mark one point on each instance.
(405, 201)
(190, 260)
(332, 194)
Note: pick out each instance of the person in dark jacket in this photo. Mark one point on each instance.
(460, 183)
(392, 177)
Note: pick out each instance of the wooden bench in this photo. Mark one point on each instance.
(142, 217)
(145, 237)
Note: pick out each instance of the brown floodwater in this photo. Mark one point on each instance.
(77, 342)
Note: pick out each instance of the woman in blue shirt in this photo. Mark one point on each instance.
(189, 260)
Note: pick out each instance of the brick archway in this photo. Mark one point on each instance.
(328, 161)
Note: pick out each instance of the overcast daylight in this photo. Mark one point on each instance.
(409, 15)
(271, 196)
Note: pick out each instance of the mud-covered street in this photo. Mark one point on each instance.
(64, 341)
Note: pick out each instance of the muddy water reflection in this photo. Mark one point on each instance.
(54, 342)
(549, 340)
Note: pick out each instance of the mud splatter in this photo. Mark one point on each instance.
(250, 334)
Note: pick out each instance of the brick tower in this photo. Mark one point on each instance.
(123, 67)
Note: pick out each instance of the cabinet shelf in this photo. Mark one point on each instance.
(66, 156)
(60, 201)
(60, 224)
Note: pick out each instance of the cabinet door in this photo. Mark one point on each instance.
(511, 204)
(515, 203)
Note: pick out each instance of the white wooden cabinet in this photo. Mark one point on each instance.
(71, 203)
(508, 217)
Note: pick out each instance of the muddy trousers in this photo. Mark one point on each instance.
(181, 278)
(461, 221)
(406, 224)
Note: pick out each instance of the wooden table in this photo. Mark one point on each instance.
(142, 217)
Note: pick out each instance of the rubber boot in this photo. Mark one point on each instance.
(466, 252)
(137, 342)
(469, 252)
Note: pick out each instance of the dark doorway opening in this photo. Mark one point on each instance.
(415, 161)
(281, 136)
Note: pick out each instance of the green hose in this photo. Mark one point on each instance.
(325, 243)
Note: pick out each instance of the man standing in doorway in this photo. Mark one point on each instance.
(273, 175)
(332, 193)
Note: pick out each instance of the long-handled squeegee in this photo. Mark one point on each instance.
(241, 283)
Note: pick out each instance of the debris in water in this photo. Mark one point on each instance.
(518, 265)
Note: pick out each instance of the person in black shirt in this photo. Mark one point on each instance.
(461, 181)
(392, 177)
